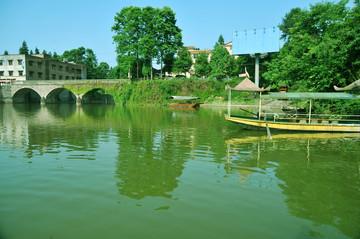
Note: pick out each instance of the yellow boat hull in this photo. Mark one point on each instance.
(295, 126)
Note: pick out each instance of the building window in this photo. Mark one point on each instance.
(1, 62)
(60, 68)
(11, 73)
(31, 73)
(31, 63)
(10, 62)
(53, 67)
(54, 76)
(60, 77)
(20, 62)
(78, 71)
(67, 77)
(20, 73)
(1, 73)
(39, 64)
(66, 69)
(40, 74)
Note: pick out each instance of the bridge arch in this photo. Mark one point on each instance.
(60, 95)
(26, 95)
(97, 96)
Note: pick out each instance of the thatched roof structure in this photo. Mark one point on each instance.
(248, 86)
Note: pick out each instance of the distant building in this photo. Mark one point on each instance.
(195, 52)
(39, 67)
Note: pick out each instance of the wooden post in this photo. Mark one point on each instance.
(310, 111)
(229, 104)
(260, 106)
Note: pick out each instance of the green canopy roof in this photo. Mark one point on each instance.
(311, 95)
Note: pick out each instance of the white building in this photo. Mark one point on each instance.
(39, 67)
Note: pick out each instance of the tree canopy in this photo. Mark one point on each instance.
(184, 62)
(321, 48)
(202, 65)
(146, 33)
(24, 50)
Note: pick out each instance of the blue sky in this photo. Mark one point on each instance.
(57, 26)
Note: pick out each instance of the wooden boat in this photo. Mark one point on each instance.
(296, 122)
(185, 101)
(190, 105)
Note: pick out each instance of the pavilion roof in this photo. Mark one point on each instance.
(249, 86)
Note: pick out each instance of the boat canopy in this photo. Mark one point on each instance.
(311, 95)
(184, 97)
(247, 85)
(355, 86)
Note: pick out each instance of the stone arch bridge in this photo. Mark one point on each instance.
(75, 91)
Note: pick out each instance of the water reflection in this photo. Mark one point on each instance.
(319, 174)
(191, 156)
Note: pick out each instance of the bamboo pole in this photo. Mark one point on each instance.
(260, 106)
(229, 104)
(310, 111)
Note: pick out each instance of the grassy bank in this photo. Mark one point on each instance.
(158, 92)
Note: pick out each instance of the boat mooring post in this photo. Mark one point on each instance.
(260, 106)
(310, 111)
(229, 103)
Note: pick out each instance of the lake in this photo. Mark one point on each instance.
(91, 171)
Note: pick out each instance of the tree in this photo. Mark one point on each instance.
(221, 62)
(184, 62)
(24, 50)
(202, 65)
(37, 50)
(321, 48)
(75, 55)
(128, 30)
(220, 41)
(6, 53)
(148, 41)
(91, 63)
(168, 34)
(102, 70)
(56, 57)
(82, 55)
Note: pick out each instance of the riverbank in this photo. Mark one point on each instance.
(158, 92)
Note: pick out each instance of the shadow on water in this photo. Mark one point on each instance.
(61, 110)
(318, 172)
(96, 110)
(26, 108)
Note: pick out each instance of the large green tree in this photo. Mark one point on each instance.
(146, 33)
(183, 62)
(202, 65)
(168, 34)
(221, 62)
(321, 48)
(129, 31)
(82, 55)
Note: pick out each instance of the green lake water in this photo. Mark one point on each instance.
(73, 172)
